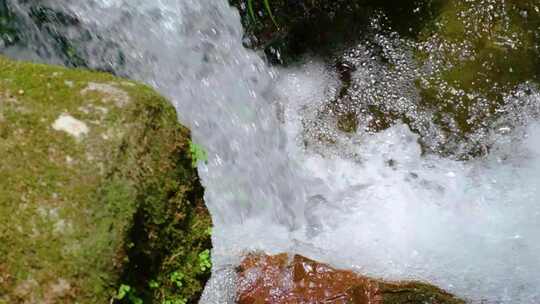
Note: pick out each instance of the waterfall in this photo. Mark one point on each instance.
(384, 208)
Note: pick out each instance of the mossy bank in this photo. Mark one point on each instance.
(97, 192)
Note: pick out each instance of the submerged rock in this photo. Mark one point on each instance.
(452, 80)
(97, 191)
(49, 31)
(474, 56)
(296, 279)
(36, 28)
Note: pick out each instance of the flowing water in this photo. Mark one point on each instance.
(372, 202)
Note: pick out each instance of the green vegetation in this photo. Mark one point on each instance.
(204, 260)
(153, 284)
(175, 301)
(198, 153)
(415, 292)
(128, 293)
(176, 278)
(268, 11)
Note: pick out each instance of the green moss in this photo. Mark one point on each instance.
(348, 122)
(198, 153)
(480, 55)
(412, 293)
(79, 216)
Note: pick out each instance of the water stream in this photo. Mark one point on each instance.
(370, 202)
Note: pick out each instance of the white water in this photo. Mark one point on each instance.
(470, 227)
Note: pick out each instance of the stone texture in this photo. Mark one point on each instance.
(295, 279)
(97, 189)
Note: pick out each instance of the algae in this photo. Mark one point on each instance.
(474, 54)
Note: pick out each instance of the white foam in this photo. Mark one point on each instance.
(470, 227)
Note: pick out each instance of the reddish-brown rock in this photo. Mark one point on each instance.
(282, 279)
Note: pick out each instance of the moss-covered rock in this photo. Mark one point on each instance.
(473, 55)
(97, 189)
(448, 69)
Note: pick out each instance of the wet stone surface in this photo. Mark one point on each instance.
(288, 29)
(296, 279)
(452, 83)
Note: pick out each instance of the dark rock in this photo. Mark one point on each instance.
(289, 29)
(452, 82)
(47, 31)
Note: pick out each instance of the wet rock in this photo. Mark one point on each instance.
(97, 189)
(473, 57)
(7, 31)
(47, 31)
(289, 29)
(452, 83)
(35, 28)
(296, 279)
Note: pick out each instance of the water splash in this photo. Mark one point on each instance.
(371, 202)
(387, 209)
(192, 53)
